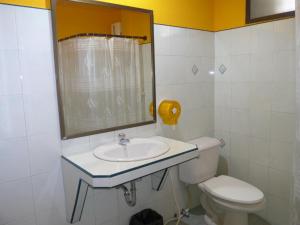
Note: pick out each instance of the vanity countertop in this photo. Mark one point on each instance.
(97, 168)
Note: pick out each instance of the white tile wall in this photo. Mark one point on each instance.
(30, 147)
(257, 95)
(29, 135)
(296, 155)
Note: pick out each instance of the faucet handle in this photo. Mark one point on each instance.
(121, 135)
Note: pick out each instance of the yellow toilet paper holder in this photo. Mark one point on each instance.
(169, 111)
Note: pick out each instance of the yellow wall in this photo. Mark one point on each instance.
(196, 14)
(69, 23)
(213, 15)
(229, 14)
(136, 24)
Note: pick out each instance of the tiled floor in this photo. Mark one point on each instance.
(197, 218)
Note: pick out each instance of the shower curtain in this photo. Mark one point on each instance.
(101, 83)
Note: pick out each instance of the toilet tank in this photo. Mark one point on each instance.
(205, 166)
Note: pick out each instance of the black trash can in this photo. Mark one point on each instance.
(146, 217)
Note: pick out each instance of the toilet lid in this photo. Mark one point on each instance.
(233, 190)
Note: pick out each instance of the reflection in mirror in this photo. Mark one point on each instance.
(105, 67)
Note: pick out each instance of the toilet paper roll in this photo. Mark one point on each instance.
(169, 111)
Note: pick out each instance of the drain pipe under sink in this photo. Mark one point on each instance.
(130, 196)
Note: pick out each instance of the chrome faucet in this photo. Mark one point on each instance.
(123, 140)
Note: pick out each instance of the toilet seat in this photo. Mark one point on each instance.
(232, 190)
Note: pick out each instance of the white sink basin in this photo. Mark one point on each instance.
(137, 149)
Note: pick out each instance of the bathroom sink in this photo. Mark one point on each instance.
(137, 149)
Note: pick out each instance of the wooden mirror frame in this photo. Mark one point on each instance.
(55, 49)
(278, 16)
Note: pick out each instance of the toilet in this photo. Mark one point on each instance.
(227, 200)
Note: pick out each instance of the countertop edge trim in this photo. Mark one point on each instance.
(128, 170)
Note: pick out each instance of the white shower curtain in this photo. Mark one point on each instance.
(101, 83)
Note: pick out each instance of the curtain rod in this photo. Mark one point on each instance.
(102, 35)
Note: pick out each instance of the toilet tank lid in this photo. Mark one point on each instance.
(204, 143)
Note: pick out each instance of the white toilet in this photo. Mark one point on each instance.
(227, 200)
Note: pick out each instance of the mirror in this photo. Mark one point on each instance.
(104, 57)
(264, 10)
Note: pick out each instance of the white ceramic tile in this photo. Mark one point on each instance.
(262, 38)
(261, 96)
(279, 184)
(75, 145)
(44, 153)
(31, 23)
(259, 151)
(206, 95)
(222, 94)
(283, 97)
(285, 35)
(240, 68)
(202, 67)
(179, 41)
(223, 43)
(281, 155)
(197, 96)
(199, 123)
(285, 70)
(100, 139)
(8, 31)
(147, 131)
(53, 217)
(106, 205)
(162, 42)
(240, 122)
(262, 67)
(13, 150)
(48, 191)
(10, 75)
(283, 127)
(172, 70)
(277, 210)
(23, 221)
(12, 122)
(41, 114)
(38, 72)
(207, 69)
(260, 123)
(226, 61)
(240, 146)
(239, 168)
(18, 200)
(177, 92)
(258, 176)
(241, 40)
(201, 43)
(222, 118)
(240, 95)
